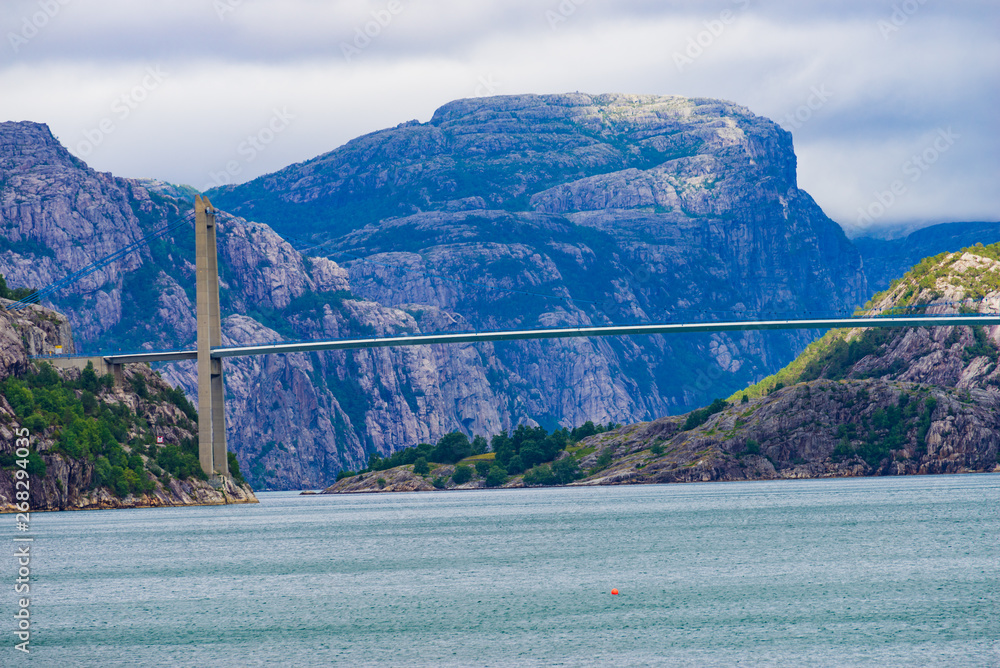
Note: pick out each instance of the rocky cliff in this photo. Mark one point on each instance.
(518, 211)
(504, 212)
(531, 211)
(93, 443)
(856, 402)
(293, 420)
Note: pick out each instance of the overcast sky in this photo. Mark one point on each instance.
(879, 96)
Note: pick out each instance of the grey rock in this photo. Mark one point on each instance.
(620, 208)
(68, 482)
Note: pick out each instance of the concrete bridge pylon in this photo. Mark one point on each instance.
(211, 390)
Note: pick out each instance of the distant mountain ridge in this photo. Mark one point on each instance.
(887, 259)
(500, 212)
(507, 153)
(622, 208)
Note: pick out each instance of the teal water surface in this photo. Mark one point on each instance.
(848, 572)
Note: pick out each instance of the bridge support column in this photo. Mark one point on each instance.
(117, 373)
(211, 400)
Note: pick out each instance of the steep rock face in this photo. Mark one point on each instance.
(503, 212)
(32, 330)
(534, 211)
(293, 421)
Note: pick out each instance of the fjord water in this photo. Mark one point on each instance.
(879, 572)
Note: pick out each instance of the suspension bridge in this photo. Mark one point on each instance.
(209, 351)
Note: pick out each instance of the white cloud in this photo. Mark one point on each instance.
(227, 76)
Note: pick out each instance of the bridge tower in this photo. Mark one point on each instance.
(211, 400)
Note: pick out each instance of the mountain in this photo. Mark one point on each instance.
(535, 211)
(72, 440)
(886, 259)
(293, 420)
(520, 211)
(856, 402)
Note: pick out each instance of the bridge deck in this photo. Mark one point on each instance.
(555, 333)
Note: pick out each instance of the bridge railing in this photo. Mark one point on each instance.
(473, 336)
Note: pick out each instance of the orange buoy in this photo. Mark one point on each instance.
(614, 592)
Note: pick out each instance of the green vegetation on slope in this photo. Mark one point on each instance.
(887, 431)
(700, 416)
(533, 451)
(16, 294)
(83, 425)
(833, 355)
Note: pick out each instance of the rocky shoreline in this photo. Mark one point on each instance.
(819, 429)
(76, 462)
(177, 493)
(876, 402)
(371, 488)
